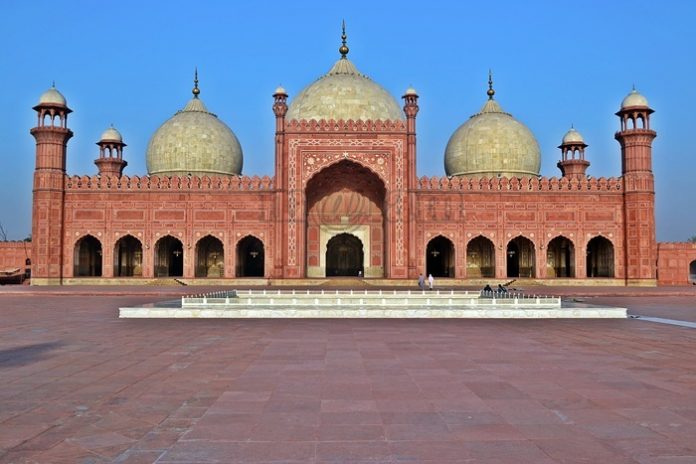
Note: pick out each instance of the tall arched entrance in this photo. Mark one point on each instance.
(250, 257)
(521, 258)
(169, 257)
(344, 256)
(210, 257)
(128, 257)
(600, 258)
(88, 257)
(345, 198)
(692, 271)
(439, 257)
(480, 258)
(560, 258)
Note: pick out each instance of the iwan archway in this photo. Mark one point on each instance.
(345, 222)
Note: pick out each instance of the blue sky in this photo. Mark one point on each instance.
(131, 63)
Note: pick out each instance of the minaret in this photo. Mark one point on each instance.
(52, 135)
(280, 108)
(573, 163)
(110, 161)
(635, 137)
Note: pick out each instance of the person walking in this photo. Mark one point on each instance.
(421, 281)
(431, 281)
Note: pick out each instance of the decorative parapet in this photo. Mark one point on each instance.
(159, 183)
(543, 184)
(682, 246)
(350, 125)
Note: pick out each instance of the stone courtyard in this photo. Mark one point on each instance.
(79, 385)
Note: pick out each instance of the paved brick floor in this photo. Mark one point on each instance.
(78, 385)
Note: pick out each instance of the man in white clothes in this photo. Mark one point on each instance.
(431, 281)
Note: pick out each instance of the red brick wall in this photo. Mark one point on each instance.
(14, 254)
(673, 260)
(150, 208)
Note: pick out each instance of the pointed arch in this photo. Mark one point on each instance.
(345, 256)
(128, 257)
(480, 257)
(87, 257)
(169, 257)
(521, 257)
(600, 257)
(210, 257)
(560, 257)
(250, 257)
(440, 257)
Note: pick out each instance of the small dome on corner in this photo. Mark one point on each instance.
(572, 136)
(52, 97)
(410, 91)
(111, 134)
(280, 91)
(634, 99)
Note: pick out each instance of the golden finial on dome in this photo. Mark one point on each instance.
(490, 91)
(195, 90)
(343, 50)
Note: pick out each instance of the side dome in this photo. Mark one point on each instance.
(52, 97)
(194, 141)
(342, 94)
(492, 143)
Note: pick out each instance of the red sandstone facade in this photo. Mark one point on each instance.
(345, 200)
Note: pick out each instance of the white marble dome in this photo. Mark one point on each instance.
(194, 141)
(491, 144)
(342, 94)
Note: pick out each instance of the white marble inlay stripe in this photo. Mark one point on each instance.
(660, 320)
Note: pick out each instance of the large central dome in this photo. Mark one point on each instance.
(194, 141)
(492, 144)
(342, 94)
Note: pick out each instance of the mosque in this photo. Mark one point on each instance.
(345, 199)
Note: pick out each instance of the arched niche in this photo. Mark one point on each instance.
(560, 258)
(128, 257)
(480, 258)
(210, 257)
(600, 257)
(169, 257)
(521, 258)
(439, 257)
(250, 257)
(88, 257)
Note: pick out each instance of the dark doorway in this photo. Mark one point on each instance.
(250, 257)
(480, 258)
(88, 257)
(169, 257)
(560, 258)
(520, 258)
(128, 257)
(344, 256)
(439, 257)
(210, 257)
(692, 271)
(600, 258)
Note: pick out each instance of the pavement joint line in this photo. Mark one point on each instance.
(660, 320)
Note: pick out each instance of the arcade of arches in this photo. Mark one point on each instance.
(345, 251)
